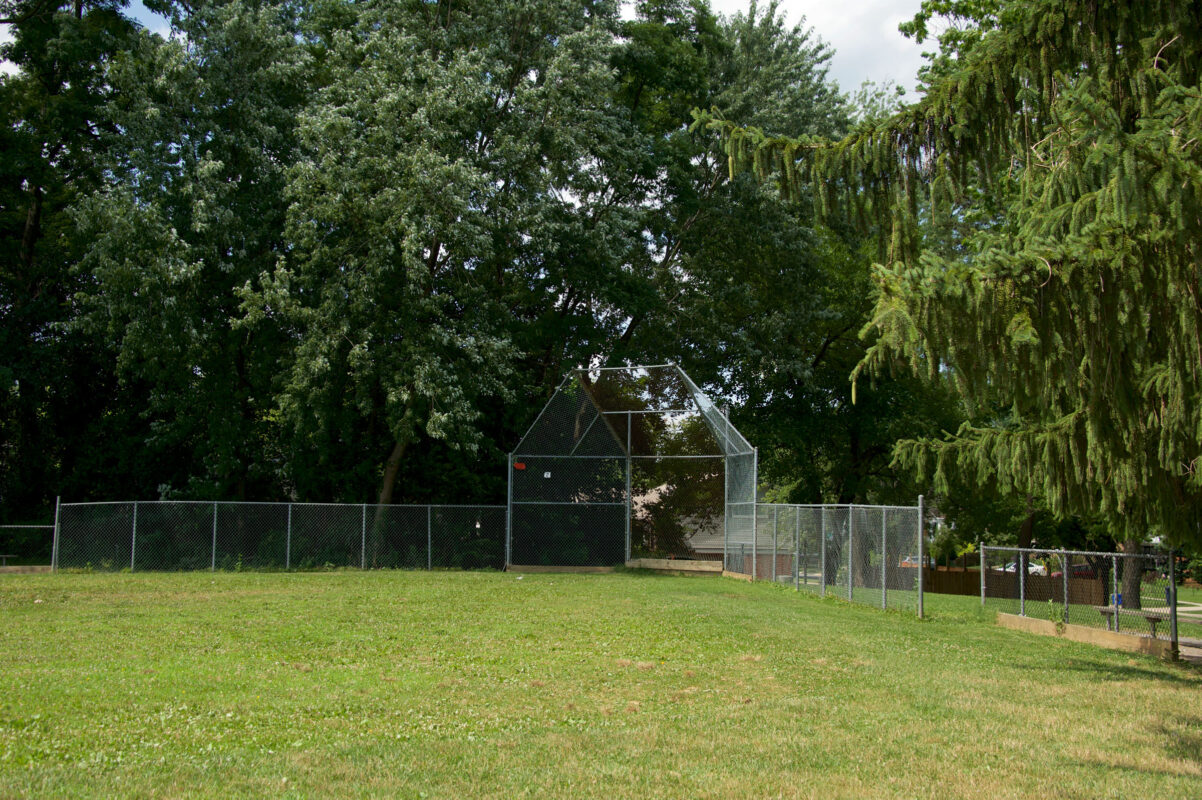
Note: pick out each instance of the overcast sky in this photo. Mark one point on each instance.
(863, 34)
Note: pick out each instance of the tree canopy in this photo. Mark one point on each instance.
(344, 251)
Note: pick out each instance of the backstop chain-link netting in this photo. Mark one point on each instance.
(626, 462)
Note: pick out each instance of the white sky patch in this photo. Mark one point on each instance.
(147, 19)
(863, 34)
(6, 67)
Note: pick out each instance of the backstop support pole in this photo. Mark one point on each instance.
(509, 512)
(755, 512)
(726, 513)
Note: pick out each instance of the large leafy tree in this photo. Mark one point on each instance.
(192, 210)
(1057, 145)
(455, 181)
(54, 393)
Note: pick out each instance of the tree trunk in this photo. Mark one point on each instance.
(1026, 535)
(33, 229)
(1131, 570)
(392, 468)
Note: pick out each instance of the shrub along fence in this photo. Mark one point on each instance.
(198, 535)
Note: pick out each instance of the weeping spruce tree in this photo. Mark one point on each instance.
(1040, 212)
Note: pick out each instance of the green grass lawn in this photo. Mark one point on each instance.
(412, 684)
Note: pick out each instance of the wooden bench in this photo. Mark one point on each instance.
(4, 557)
(1151, 616)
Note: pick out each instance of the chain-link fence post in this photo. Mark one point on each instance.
(775, 518)
(1020, 566)
(1114, 588)
(851, 536)
(922, 557)
(213, 559)
(796, 548)
(58, 501)
(726, 512)
(429, 537)
(288, 540)
(1064, 572)
(884, 547)
(629, 495)
(1174, 651)
(981, 548)
(133, 541)
(822, 549)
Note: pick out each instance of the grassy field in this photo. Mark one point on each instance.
(417, 684)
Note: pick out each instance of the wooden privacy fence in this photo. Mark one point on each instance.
(956, 580)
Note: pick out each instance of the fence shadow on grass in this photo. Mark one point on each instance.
(1184, 741)
(1178, 673)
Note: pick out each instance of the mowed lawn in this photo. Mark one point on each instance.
(413, 684)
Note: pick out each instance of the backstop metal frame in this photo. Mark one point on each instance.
(624, 461)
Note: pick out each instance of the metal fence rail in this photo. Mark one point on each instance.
(199, 535)
(865, 554)
(1134, 593)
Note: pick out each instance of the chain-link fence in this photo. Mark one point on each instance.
(187, 535)
(1134, 593)
(25, 544)
(865, 554)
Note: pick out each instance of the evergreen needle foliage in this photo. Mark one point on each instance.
(1040, 218)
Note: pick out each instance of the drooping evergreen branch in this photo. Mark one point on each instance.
(1040, 214)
